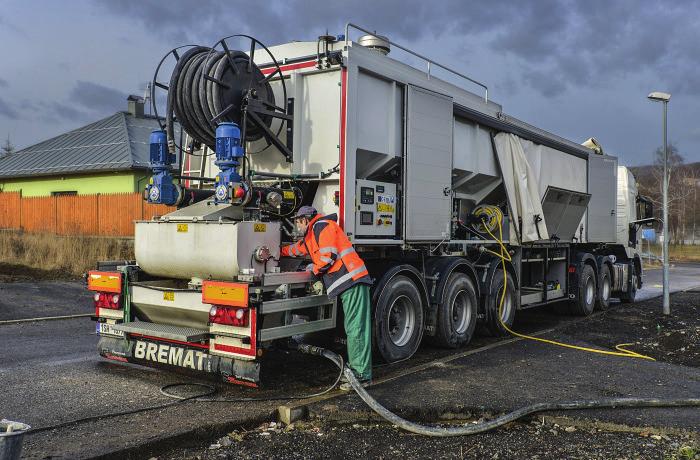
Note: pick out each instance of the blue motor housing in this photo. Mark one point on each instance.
(160, 157)
(229, 152)
(160, 188)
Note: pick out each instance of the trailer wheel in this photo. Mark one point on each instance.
(604, 288)
(510, 304)
(456, 316)
(629, 297)
(585, 301)
(398, 320)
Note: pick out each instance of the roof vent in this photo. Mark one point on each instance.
(135, 106)
(376, 42)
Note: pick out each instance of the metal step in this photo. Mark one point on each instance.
(164, 331)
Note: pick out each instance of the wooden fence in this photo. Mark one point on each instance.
(100, 215)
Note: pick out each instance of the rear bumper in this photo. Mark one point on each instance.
(156, 353)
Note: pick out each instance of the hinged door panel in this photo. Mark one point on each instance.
(428, 165)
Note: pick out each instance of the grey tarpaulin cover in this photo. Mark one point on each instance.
(521, 187)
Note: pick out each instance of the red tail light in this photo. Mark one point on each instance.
(572, 268)
(230, 316)
(107, 300)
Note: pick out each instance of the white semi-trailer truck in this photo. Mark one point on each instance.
(433, 183)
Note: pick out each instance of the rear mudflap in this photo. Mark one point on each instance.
(165, 354)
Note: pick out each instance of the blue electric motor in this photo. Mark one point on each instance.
(160, 188)
(229, 152)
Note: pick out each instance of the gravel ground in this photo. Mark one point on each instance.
(674, 339)
(533, 440)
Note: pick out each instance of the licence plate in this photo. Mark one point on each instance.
(108, 329)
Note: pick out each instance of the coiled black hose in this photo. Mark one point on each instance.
(208, 87)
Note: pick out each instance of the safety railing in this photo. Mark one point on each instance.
(429, 61)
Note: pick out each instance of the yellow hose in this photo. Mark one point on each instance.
(494, 212)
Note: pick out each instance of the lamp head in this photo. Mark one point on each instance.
(659, 96)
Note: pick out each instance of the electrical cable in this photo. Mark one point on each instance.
(164, 391)
(115, 414)
(210, 390)
(504, 255)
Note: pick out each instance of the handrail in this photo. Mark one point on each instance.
(428, 60)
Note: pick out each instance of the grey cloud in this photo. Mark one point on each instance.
(97, 98)
(3, 83)
(7, 110)
(68, 112)
(546, 83)
(573, 40)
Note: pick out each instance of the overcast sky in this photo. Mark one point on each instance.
(575, 68)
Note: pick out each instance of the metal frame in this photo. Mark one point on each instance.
(413, 53)
(289, 330)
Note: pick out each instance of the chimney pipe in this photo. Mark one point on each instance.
(135, 106)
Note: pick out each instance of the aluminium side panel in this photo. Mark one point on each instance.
(602, 208)
(428, 165)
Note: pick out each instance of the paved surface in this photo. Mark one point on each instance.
(51, 374)
(523, 373)
(48, 298)
(682, 276)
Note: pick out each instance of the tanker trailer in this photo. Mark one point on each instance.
(449, 201)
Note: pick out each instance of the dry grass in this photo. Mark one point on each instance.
(71, 255)
(680, 253)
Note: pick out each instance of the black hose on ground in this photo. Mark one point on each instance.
(481, 427)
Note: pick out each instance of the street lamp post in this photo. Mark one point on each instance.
(664, 97)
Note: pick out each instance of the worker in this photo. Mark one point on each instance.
(345, 275)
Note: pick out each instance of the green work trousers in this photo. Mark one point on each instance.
(358, 329)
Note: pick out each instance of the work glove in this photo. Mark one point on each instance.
(310, 268)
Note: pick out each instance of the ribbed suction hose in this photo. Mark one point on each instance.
(481, 427)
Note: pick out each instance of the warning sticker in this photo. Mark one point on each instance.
(385, 207)
(169, 295)
(259, 227)
(182, 228)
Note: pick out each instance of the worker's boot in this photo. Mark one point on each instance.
(346, 386)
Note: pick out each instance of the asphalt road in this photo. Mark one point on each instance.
(51, 374)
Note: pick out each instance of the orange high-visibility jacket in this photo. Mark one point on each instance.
(332, 255)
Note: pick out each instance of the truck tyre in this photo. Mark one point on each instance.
(510, 303)
(456, 316)
(398, 320)
(585, 301)
(604, 288)
(629, 297)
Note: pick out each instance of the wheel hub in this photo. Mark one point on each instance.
(461, 312)
(590, 291)
(606, 289)
(401, 321)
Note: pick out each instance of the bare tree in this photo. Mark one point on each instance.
(681, 187)
(7, 148)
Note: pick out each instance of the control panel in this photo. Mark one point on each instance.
(376, 208)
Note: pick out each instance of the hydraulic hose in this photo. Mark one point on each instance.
(208, 87)
(441, 431)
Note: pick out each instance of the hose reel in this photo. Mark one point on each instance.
(487, 218)
(211, 85)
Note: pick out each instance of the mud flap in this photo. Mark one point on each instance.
(165, 354)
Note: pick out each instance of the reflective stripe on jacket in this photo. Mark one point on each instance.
(332, 255)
